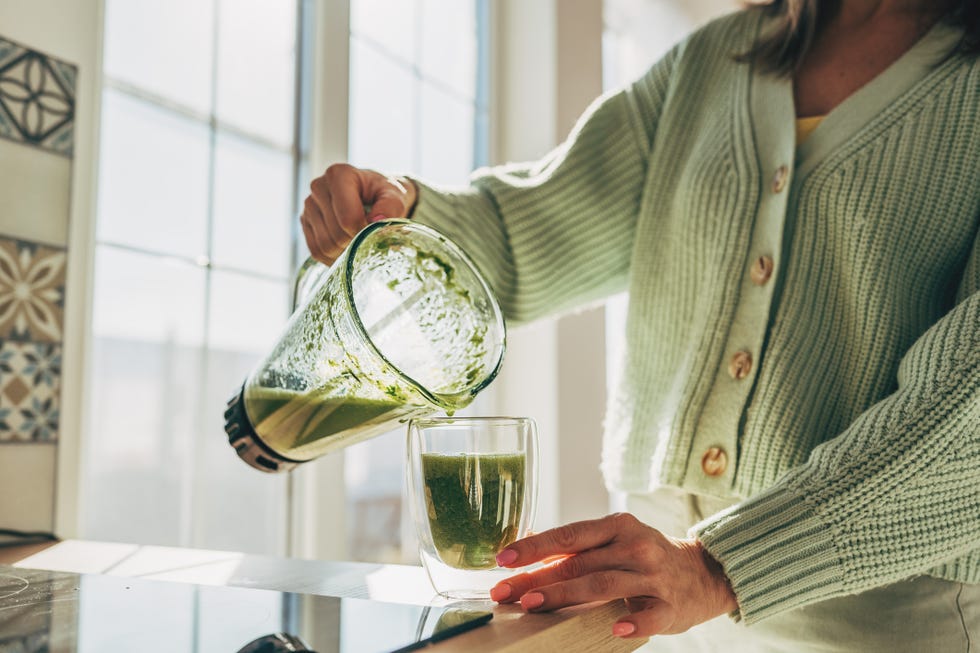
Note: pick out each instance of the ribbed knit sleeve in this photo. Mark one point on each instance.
(894, 496)
(559, 232)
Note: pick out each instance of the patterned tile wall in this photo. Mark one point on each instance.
(32, 291)
(37, 98)
(37, 111)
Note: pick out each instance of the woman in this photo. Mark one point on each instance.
(802, 389)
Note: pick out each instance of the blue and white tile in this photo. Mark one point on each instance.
(30, 391)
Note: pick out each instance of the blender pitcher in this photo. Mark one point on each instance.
(402, 325)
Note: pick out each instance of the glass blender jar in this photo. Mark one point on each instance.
(402, 325)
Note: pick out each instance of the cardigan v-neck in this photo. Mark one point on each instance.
(862, 112)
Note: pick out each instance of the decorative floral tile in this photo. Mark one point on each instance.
(32, 291)
(37, 98)
(30, 384)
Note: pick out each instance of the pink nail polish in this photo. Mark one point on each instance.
(500, 592)
(623, 628)
(506, 557)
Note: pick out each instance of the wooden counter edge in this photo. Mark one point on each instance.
(584, 628)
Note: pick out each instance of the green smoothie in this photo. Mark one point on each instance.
(287, 420)
(474, 505)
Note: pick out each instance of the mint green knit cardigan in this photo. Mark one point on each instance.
(854, 440)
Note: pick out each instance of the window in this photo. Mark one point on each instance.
(418, 105)
(194, 254)
(203, 164)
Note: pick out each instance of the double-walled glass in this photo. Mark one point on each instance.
(473, 490)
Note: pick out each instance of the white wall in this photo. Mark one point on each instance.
(70, 30)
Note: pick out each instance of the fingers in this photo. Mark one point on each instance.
(346, 204)
(388, 200)
(318, 240)
(666, 581)
(595, 586)
(649, 615)
(567, 568)
(334, 211)
(595, 575)
(572, 538)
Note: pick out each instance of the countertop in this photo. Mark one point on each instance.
(582, 628)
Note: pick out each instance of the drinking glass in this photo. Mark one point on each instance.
(473, 489)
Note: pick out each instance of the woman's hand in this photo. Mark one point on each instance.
(335, 210)
(670, 584)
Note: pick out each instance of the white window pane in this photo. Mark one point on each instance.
(247, 313)
(382, 111)
(252, 207)
(245, 319)
(447, 136)
(374, 475)
(256, 67)
(147, 298)
(448, 44)
(388, 23)
(148, 322)
(153, 178)
(162, 47)
(236, 508)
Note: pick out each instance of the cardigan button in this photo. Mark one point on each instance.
(761, 270)
(714, 461)
(779, 179)
(740, 365)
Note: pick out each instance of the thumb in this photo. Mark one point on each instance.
(388, 197)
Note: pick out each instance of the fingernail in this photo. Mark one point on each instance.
(623, 628)
(376, 217)
(506, 557)
(500, 592)
(532, 600)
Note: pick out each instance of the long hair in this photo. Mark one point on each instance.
(797, 22)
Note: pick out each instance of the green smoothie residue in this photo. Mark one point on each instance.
(287, 419)
(474, 505)
(395, 335)
(437, 262)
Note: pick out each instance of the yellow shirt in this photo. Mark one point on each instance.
(805, 127)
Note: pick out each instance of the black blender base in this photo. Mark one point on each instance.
(247, 443)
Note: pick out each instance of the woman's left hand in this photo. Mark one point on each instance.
(670, 584)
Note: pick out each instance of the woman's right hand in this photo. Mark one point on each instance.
(343, 200)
